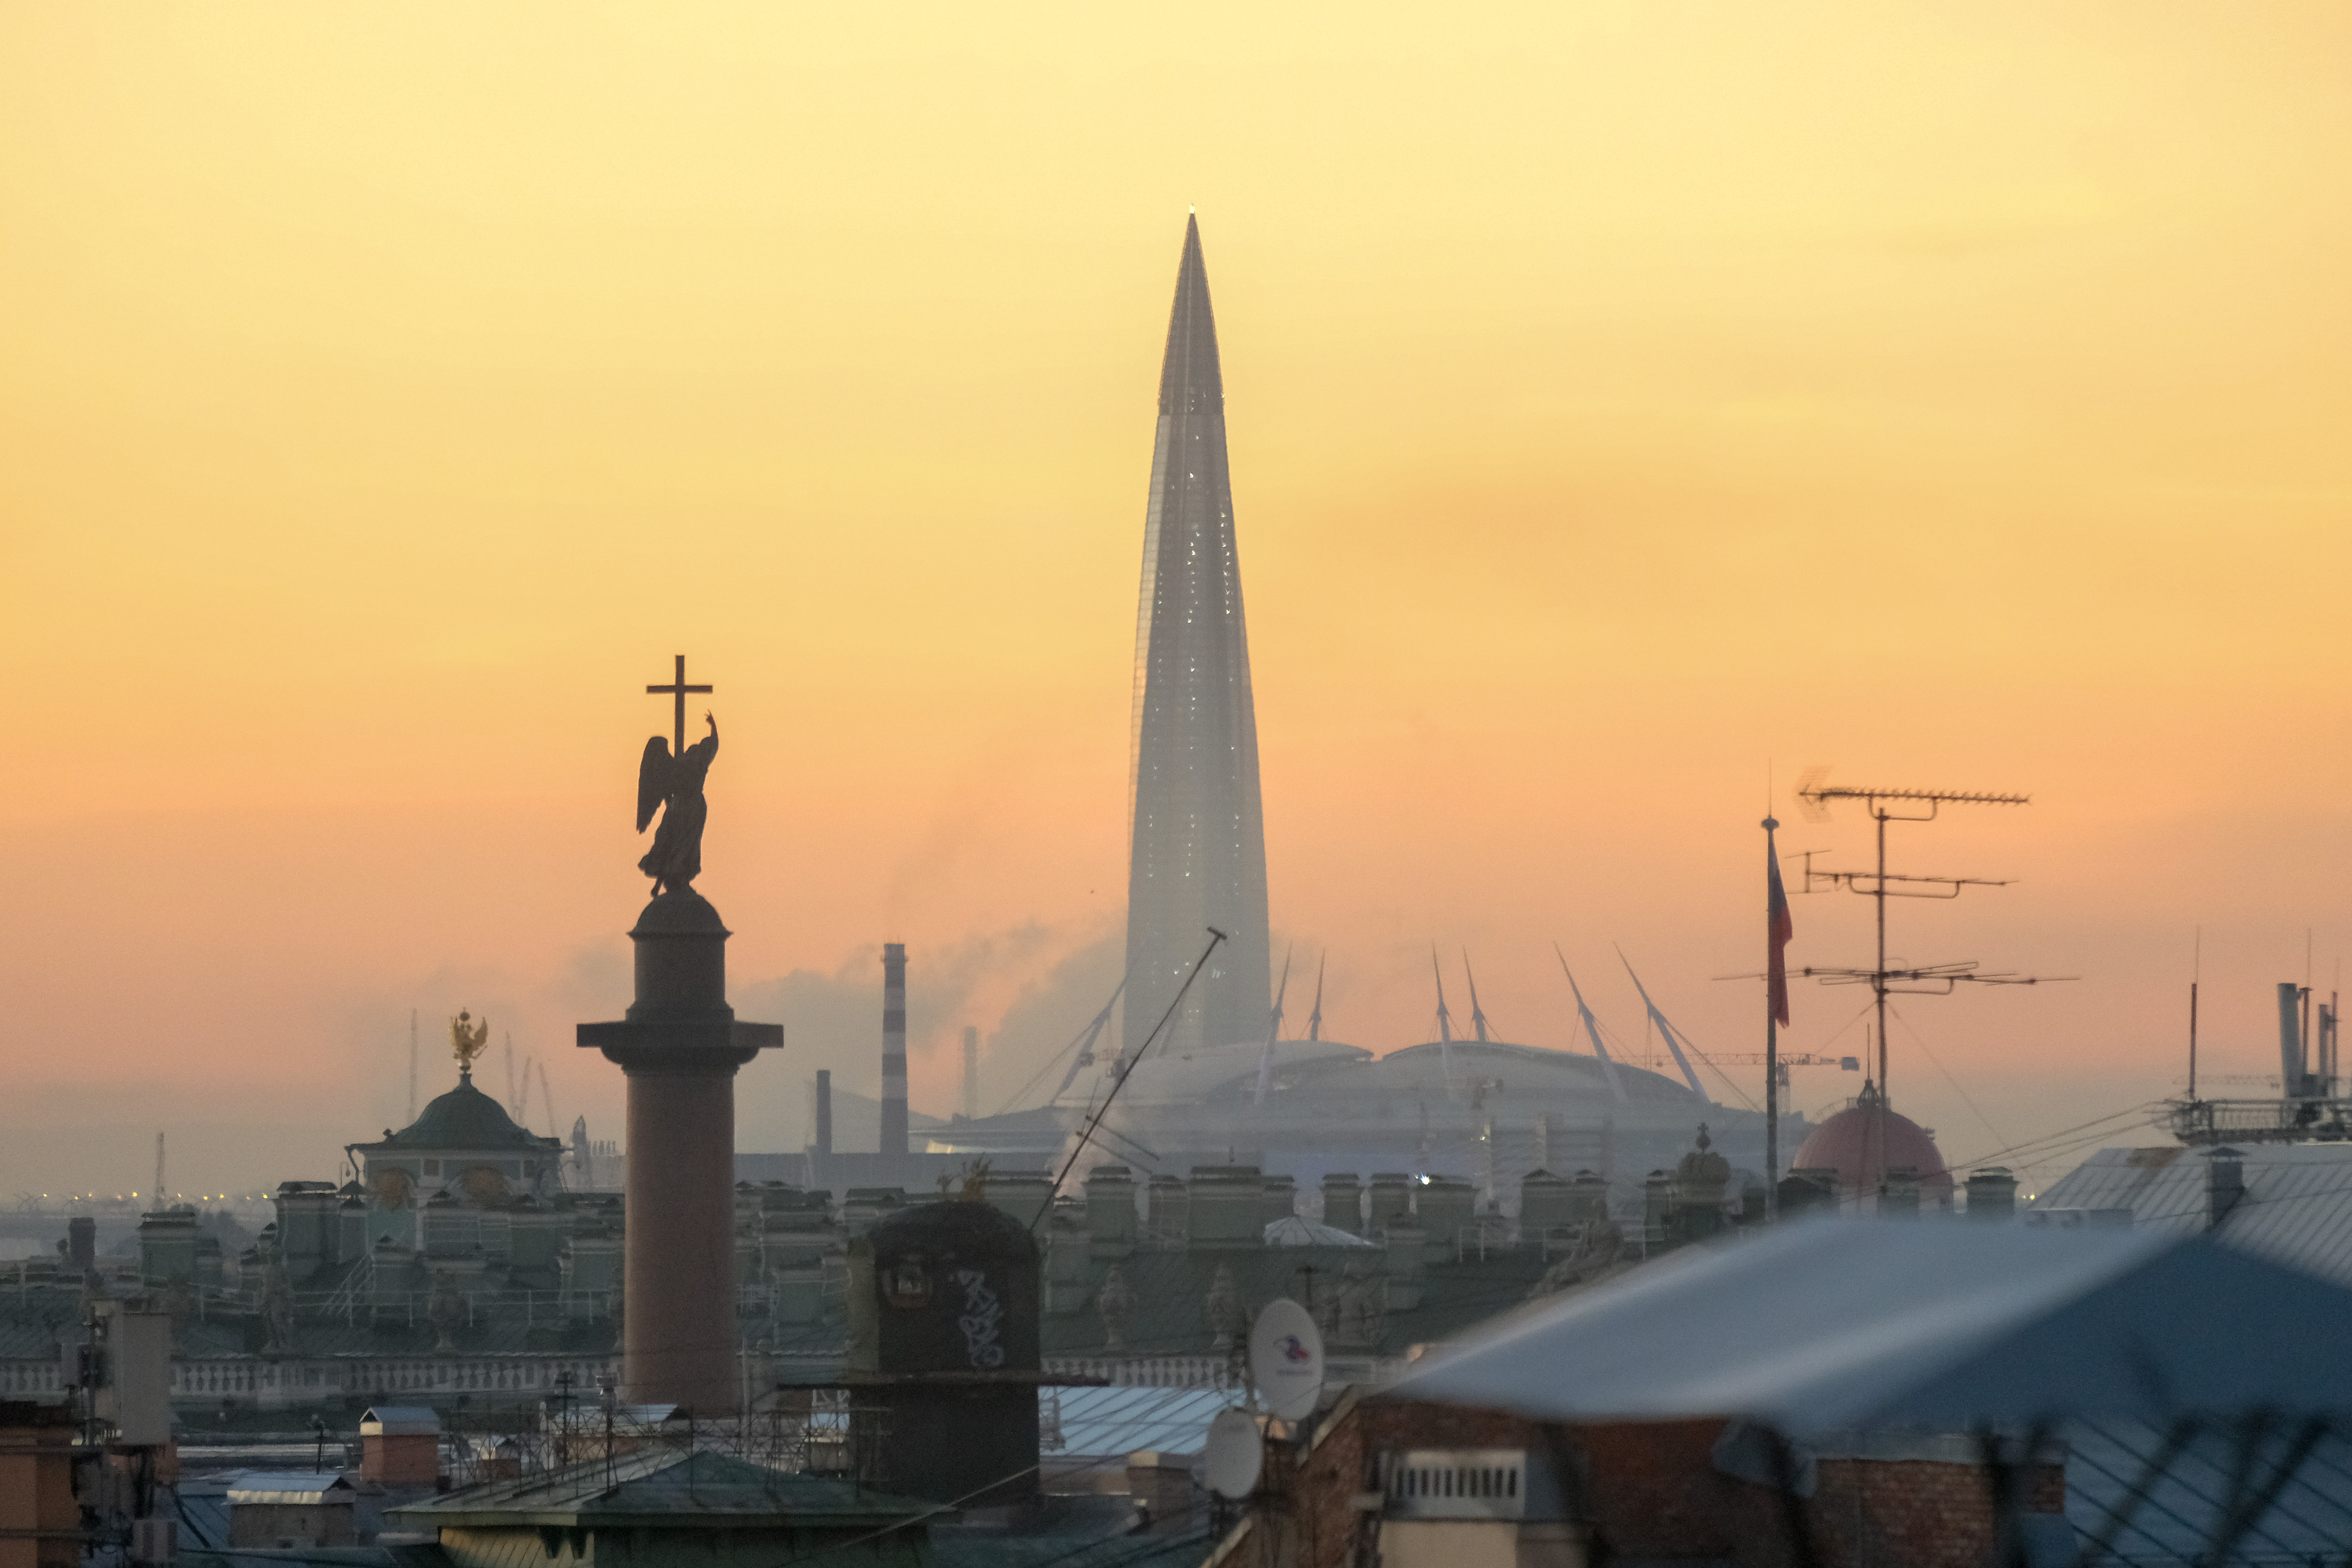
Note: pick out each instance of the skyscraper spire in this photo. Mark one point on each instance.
(1198, 856)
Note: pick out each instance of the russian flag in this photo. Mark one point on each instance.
(1778, 927)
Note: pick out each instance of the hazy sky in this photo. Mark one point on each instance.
(1627, 401)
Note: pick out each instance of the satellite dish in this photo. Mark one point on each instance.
(1286, 1354)
(1235, 1454)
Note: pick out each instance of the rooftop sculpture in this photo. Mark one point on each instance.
(467, 1040)
(674, 781)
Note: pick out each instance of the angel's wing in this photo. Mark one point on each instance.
(653, 779)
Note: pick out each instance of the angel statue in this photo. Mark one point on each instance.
(676, 858)
(467, 1039)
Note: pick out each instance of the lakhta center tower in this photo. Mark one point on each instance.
(1198, 854)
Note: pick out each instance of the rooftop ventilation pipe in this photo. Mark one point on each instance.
(2225, 1186)
(2292, 1069)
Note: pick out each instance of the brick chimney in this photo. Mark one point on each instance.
(399, 1446)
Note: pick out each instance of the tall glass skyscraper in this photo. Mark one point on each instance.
(1197, 857)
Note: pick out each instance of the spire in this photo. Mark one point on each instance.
(1198, 849)
(1189, 380)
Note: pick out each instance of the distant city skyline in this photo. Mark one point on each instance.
(1633, 406)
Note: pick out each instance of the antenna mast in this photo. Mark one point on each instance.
(411, 1065)
(1880, 885)
(2196, 973)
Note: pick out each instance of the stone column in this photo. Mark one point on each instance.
(680, 1046)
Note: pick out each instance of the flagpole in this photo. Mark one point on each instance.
(1771, 1046)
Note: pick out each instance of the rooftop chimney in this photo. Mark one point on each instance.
(1343, 1202)
(82, 1243)
(1992, 1194)
(2225, 1183)
(1110, 1211)
(1544, 1206)
(894, 1048)
(825, 1110)
(1899, 1193)
(399, 1445)
(944, 1304)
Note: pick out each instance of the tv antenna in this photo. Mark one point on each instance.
(1886, 805)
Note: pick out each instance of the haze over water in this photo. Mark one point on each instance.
(1624, 401)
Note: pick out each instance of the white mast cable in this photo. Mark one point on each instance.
(1273, 1033)
(1591, 1028)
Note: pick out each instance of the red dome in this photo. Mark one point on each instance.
(1865, 1140)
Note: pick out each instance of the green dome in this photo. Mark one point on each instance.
(465, 1118)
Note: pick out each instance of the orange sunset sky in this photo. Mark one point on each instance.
(1628, 403)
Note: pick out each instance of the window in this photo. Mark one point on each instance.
(908, 1284)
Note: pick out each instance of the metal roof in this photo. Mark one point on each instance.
(662, 1486)
(465, 1120)
(1116, 1422)
(1119, 1548)
(400, 1420)
(1292, 1231)
(302, 1486)
(2297, 1207)
(2160, 1499)
(1847, 1325)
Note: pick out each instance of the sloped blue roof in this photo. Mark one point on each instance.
(2297, 1207)
(1841, 1325)
(658, 1485)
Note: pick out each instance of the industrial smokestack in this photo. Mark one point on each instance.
(894, 1048)
(2292, 1069)
(825, 1110)
(970, 1073)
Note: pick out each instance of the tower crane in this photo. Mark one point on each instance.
(1786, 1060)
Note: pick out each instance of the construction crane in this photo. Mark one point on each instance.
(1786, 1061)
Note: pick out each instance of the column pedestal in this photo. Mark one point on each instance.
(680, 1046)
